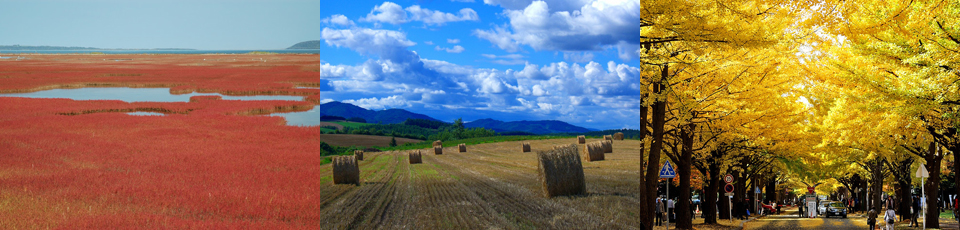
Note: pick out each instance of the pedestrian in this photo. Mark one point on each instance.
(670, 217)
(659, 212)
(890, 217)
(872, 219)
(915, 207)
(801, 210)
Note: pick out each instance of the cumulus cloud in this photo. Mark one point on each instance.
(387, 44)
(593, 26)
(337, 19)
(390, 12)
(453, 41)
(380, 103)
(455, 49)
(509, 59)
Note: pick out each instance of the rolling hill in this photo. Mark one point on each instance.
(315, 44)
(389, 116)
(536, 127)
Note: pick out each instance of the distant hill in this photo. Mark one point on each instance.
(536, 127)
(19, 47)
(315, 44)
(389, 116)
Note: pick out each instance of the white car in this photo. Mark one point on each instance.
(822, 208)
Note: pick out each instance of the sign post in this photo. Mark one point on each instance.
(729, 189)
(667, 172)
(922, 173)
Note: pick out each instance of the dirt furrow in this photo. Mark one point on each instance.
(348, 211)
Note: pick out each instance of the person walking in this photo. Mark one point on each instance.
(659, 213)
(872, 219)
(915, 208)
(890, 217)
(800, 206)
(670, 217)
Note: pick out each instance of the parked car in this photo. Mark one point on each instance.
(822, 207)
(836, 209)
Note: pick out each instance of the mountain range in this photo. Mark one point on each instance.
(395, 116)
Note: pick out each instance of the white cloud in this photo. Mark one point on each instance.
(461, 0)
(432, 17)
(380, 103)
(578, 57)
(387, 44)
(337, 19)
(509, 59)
(455, 49)
(593, 26)
(428, 42)
(561, 5)
(453, 41)
(387, 12)
(390, 12)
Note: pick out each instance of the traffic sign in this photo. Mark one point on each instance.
(758, 191)
(728, 194)
(728, 188)
(922, 172)
(667, 171)
(810, 190)
(728, 178)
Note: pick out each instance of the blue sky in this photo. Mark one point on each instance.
(568, 60)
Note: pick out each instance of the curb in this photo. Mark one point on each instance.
(748, 220)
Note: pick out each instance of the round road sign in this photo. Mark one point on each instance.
(728, 188)
(728, 178)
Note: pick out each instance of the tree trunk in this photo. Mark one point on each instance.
(710, 194)
(876, 185)
(932, 186)
(904, 185)
(683, 170)
(656, 146)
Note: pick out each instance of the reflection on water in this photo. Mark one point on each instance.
(135, 95)
(145, 114)
(306, 118)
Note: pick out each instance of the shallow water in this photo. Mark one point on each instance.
(145, 114)
(136, 95)
(306, 118)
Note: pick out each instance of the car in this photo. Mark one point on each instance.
(822, 207)
(769, 208)
(835, 209)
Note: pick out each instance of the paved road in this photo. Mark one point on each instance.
(789, 221)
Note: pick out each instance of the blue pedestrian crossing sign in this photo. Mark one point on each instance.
(667, 171)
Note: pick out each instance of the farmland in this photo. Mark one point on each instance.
(213, 163)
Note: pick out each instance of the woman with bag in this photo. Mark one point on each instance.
(872, 219)
(890, 217)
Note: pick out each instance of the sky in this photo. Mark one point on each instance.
(568, 60)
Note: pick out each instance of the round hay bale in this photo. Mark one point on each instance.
(346, 170)
(581, 139)
(358, 154)
(607, 137)
(437, 143)
(415, 157)
(525, 147)
(462, 147)
(593, 151)
(438, 150)
(618, 136)
(608, 146)
(560, 172)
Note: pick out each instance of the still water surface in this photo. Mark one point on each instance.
(136, 95)
(305, 118)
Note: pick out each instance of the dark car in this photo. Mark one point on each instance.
(836, 209)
